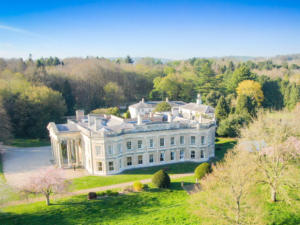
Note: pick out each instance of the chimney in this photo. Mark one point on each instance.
(167, 99)
(90, 120)
(170, 118)
(98, 123)
(151, 114)
(199, 101)
(200, 119)
(139, 119)
(79, 115)
(191, 116)
(175, 111)
(178, 125)
(143, 100)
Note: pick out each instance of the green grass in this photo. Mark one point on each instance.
(26, 143)
(154, 207)
(146, 173)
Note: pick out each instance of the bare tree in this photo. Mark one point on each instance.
(46, 182)
(226, 196)
(276, 152)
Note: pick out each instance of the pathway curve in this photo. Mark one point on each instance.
(98, 189)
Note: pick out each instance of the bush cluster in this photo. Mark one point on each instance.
(108, 193)
(161, 179)
(201, 170)
(137, 185)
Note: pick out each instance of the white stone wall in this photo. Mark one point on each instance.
(118, 158)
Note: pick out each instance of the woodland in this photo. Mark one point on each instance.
(36, 92)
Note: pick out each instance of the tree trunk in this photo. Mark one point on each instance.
(273, 195)
(47, 199)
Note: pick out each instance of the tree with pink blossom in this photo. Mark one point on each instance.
(277, 157)
(46, 182)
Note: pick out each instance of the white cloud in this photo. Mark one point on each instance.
(13, 29)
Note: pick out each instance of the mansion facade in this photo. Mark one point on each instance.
(106, 144)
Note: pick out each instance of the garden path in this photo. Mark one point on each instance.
(98, 189)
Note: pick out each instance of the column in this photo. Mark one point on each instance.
(69, 153)
(55, 150)
(52, 148)
(59, 154)
(76, 153)
(72, 151)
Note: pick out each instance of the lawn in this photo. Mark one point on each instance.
(146, 173)
(154, 207)
(26, 143)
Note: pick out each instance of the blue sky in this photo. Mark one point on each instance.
(164, 29)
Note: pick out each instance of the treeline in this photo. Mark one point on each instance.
(93, 83)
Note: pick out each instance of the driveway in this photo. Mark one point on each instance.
(19, 163)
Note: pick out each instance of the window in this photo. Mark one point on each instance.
(120, 163)
(99, 166)
(202, 140)
(192, 154)
(181, 154)
(151, 159)
(129, 161)
(193, 140)
(202, 154)
(140, 144)
(128, 144)
(172, 155)
(181, 140)
(140, 159)
(98, 150)
(172, 142)
(110, 150)
(120, 148)
(161, 142)
(162, 157)
(151, 144)
(111, 166)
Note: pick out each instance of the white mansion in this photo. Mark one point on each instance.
(106, 144)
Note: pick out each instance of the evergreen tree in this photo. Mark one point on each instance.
(212, 98)
(128, 59)
(222, 109)
(207, 80)
(239, 75)
(246, 105)
(231, 66)
(68, 96)
(294, 97)
(56, 61)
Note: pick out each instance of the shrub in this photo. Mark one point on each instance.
(108, 192)
(161, 179)
(137, 185)
(114, 193)
(101, 194)
(201, 170)
(145, 186)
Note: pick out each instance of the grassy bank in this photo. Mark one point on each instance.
(26, 143)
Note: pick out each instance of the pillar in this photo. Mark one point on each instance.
(76, 152)
(69, 153)
(59, 153)
(52, 148)
(72, 151)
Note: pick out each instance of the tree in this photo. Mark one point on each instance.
(202, 170)
(67, 94)
(226, 195)
(128, 59)
(46, 182)
(239, 75)
(113, 93)
(231, 66)
(5, 124)
(114, 111)
(246, 105)
(230, 127)
(277, 155)
(162, 107)
(252, 89)
(161, 179)
(212, 98)
(222, 109)
(127, 115)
